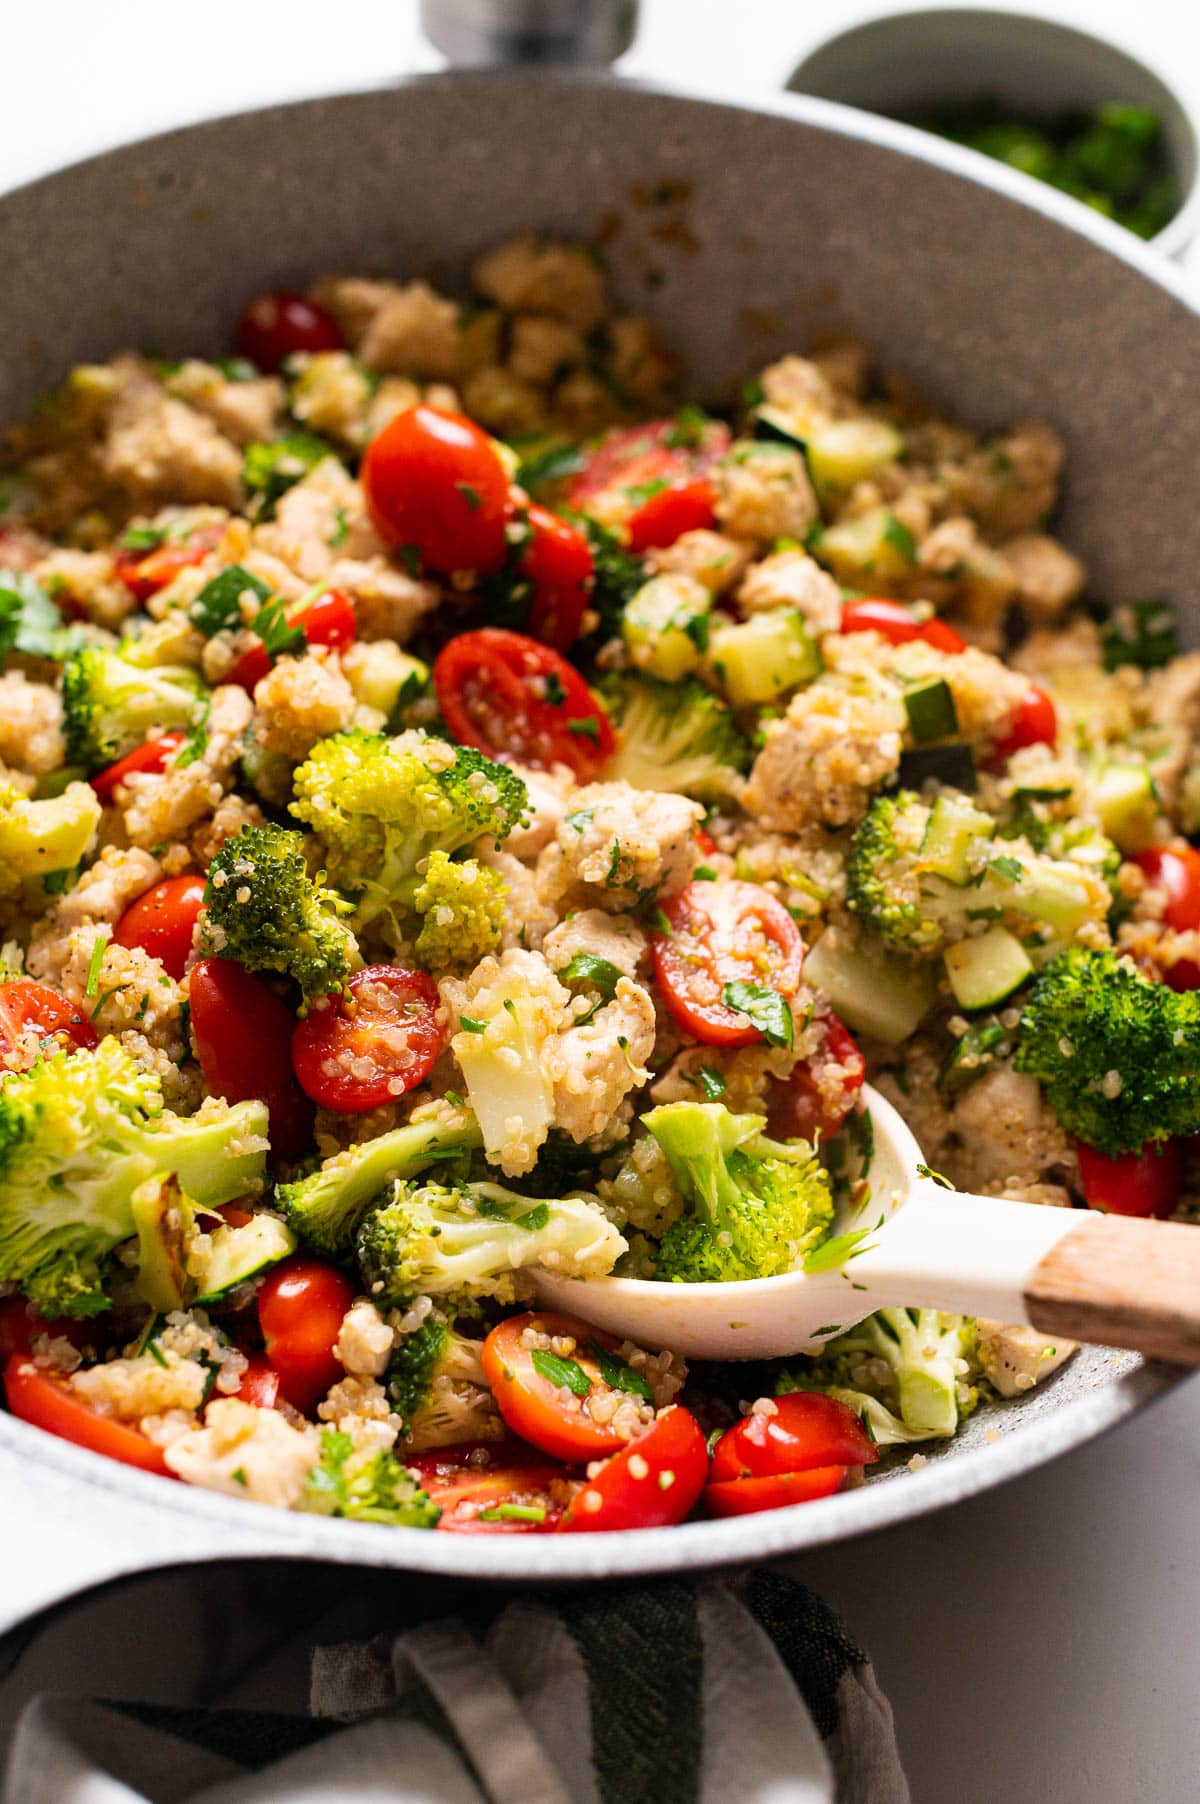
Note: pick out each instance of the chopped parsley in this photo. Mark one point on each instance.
(711, 1083)
(99, 947)
(471, 496)
(563, 1374)
(766, 1009)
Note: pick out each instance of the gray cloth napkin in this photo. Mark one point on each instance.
(681, 1693)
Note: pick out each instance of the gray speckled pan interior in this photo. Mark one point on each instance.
(996, 297)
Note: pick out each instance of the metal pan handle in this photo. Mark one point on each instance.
(474, 34)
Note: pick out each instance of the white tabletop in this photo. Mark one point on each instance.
(1038, 1644)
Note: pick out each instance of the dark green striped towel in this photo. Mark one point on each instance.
(744, 1691)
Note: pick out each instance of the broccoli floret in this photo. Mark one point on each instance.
(1119, 1055)
(111, 705)
(81, 1132)
(264, 910)
(909, 1373)
(461, 904)
(435, 1383)
(38, 838)
(367, 1485)
(479, 1240)
(676, 736)
(269, 470)
(757, 1205)
(380, 807)
(919, 875)
(326, 1207)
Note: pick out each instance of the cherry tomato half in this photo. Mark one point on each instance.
(546, 1397)
(435, 480)
(152, 758)
(722, 933)
(260, 1383)
(328, 619)
(144, 573)
(490, 1488)
(27, 1006)
(805, 1430)
(507, 695)
(243, 1033)
(1145, 1183)
(667, 515)
(371, 1042)
(894, 622)
(1176, 870)
(746, 1496)
(163, 921)
(558, 562)
(652, 1483)
(1034, 722)
(275, 326)
(661, 456)
(301, 1306)
(20, 1325)
(36, 1396)
(799, 1108)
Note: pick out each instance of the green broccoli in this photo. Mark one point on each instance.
(380, 807)
(110, 705)
(919, 873)
(1118, 1054)
(41, 837)
(909, 1373)
(461, 904)
(757, 1205)
(478, 1240)
(269, 470)
(367, 1484)
(264, 910)
(676, 736)
(80, 1133)
(326, 1207)
(435, 1383)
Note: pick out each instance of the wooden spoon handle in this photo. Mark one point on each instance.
(1120, 1282)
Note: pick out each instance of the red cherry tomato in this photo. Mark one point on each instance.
(558, 562)
(509, 696)
(152, 758)
(706, 845)
(799, 1108)
(20, 1324)
(721, 933)
(652, 1483)
(894, 622)
(301, 1304)
(276, 326)
(260, 1383)
(746, 1496)
(1176, 869)
(435, 480)
(163, 921)
(631, 459)
(490, 1488)
(369, 1044)
(666, 516)
(243, 1034)
(25, 1005)
(1145, 1183)
(804, 1431)
(144, 573)
(326, 620)
(1034, 722)
(38, 1397)
(541, 1408)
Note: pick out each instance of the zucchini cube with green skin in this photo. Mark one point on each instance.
(848, 451)
(986, 969)
(666, 626)
(930, 708)
(872, 991)
(758, 660)
(1127, 806)
(875, 545)
(946, 846)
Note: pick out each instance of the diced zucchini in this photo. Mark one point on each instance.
(875, 545)
(931, 711)
(240, 1253)
(985, 970)
(1057, 898)
(873, 992)
(760, 659)
(971, 1054)
(161, 1215)
(1127, 805)
(946, 847)
(389, 679)
(848, 451)
(666, 627)
(952, 764)
(780, 428)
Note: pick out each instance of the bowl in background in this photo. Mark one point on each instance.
(906, 64)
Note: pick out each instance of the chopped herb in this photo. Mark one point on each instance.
(618, 1375)
(860, 1126)
(1143, 633)
(1007, 866)
(935, 1177)
(660, 923)
(556, 695)
(116, 990)
(471, 496)
(563, 1374)
(837, 1251)
(639, 492)
(614, 865)
(270, 470)
(897, 535)
(218, 605)
(753, 393)
(533, 1220)
(341, 529)
(57, 883)
(551, 465)
(471, 1026)
(578, 820)
(29, 620)
(597, 973)
(238, 1475)
(513, 1512)
(156, 1353)
(410, 557)
(689, 428)
(99, 946)
(766, 1009)
(711, 1082)
(237, 369)
(827, 1329)
(141, 538)
(585, 729)
(276, 631)
(704, 873)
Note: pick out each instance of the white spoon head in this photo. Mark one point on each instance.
(763, 1318)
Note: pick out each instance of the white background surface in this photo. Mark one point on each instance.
(1038, 1644)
